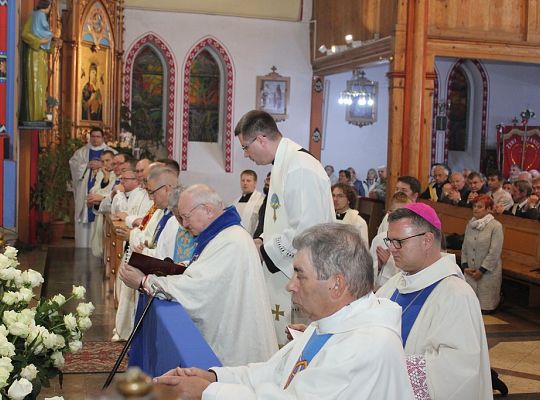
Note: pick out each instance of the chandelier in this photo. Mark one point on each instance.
(360, 90)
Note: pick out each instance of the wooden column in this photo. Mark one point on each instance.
(28, 163)
(316, 120)
(409, 131)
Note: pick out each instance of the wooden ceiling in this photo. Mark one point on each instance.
(286, 10)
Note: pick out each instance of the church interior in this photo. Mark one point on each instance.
(376, 85)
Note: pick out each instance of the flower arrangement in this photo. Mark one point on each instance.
(34, 334)
(125, 142)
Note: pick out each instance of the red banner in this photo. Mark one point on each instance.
(520, 147)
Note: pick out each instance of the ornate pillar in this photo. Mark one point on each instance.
(315, 125)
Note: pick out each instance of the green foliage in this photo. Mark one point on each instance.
(54, 175)
(141, 120)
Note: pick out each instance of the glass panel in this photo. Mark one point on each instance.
(459, 111)
(147, 96)
(204, 99)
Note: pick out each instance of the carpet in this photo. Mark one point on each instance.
(95, 357)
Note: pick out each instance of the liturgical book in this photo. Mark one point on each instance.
(154, 266)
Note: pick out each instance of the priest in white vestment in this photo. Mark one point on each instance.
(249, 203)
(345, 201)
(144, 239)
(223, 288)
(84, 164)
(352, 350)
(442, 327)
(299, 197)
(131, 198)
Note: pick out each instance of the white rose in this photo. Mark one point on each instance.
(60, 342)
(29, 372)
(84, 323)
(5, 262)
(32, 278)
(11, 252)
(58, 359)
(75, 346)
(78, 292)
(27, 316)
(59, 299)
(9, 274)
(3, 330)
(19, 389)
(9, 317)
(70, 321)
(49, 340)
(7, 349)
(25, 294)
(10, 298)
(5, 364)
(85, 309)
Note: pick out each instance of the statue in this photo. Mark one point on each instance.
(37, 38)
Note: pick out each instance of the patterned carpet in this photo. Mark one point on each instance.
(95, 357)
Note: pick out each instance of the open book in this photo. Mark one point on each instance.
(154, 266)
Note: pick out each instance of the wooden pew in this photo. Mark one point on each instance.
(113, 251)
(373, 212)
(521, 247)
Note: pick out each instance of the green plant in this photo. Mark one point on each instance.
(51, 102)
(49, 194)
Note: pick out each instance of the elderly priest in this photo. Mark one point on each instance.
(352, 350)
(223, 288)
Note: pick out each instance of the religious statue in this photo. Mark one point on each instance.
(37, 38)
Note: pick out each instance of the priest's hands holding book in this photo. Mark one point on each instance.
(189, 383)
(131, 276)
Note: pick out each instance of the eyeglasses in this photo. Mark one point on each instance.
(188, 215)
(123, 178)
(151, 192)
(397, 243)
(246, 146)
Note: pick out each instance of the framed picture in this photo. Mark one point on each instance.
(3, 66)
(94, 85)
(273, 95)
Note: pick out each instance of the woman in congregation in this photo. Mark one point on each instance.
(481, 254)
(345, 200)
(370, 181)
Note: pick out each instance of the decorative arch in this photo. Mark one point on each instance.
(226, 61)
(483, 130)
(170, 67)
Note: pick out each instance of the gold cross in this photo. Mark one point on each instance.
(278, 313)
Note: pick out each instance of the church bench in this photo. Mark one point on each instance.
(373, 212)
(113, 251)
(521, 247)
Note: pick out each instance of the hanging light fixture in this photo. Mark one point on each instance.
(359, 89)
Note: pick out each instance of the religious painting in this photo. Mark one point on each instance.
(3, 67)
(96, 29)
(94, 83)
(520, 147)
(204, 98)
(273, 95)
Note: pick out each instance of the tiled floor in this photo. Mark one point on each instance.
(513, 332)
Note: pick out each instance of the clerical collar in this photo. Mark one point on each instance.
(245, 197)
(340, 216)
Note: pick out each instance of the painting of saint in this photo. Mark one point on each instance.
(92, 101)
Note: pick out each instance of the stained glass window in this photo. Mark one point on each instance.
(458, 115)
(147, 119)
(204, 98)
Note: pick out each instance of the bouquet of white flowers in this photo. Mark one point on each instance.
(34, 334)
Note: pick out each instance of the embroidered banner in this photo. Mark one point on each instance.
(520, 147)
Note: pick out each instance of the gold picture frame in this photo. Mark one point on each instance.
(93, 91)
(273, 95)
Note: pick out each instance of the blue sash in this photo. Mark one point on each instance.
(411, 304)
(161, 224)
(313, 346)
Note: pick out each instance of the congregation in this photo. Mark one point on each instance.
(404, 303)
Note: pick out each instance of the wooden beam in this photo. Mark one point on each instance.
(315, 127)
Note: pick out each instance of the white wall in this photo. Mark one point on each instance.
(348, 145)
(255, 46)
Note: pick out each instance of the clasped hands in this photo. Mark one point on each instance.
(189, 383)
(476, 274)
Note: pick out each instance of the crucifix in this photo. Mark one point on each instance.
(277, 313)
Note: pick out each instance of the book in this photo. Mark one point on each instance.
(154, 266)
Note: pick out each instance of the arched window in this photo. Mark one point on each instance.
(204, 98)
(147, 101)
(458, 115)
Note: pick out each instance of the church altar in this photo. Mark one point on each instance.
(168, 339)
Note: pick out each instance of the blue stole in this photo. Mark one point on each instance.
(411, 304)
(161, 224)
(92, 155)
(229, 218)
(313, 346)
